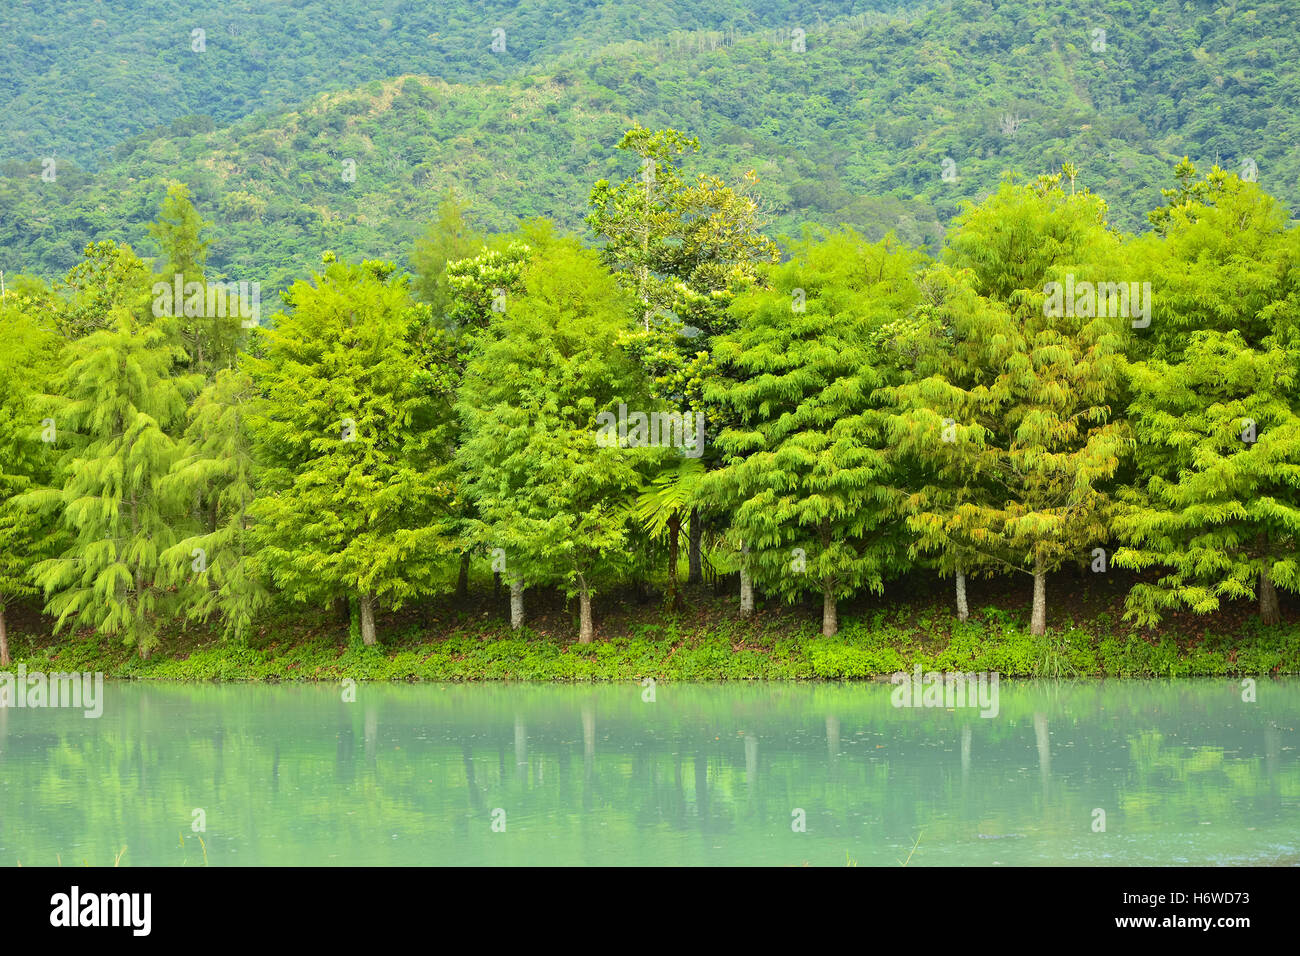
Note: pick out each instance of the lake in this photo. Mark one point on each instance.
(1110, 773)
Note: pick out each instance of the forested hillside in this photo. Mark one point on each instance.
(883, 116)
(81, 77)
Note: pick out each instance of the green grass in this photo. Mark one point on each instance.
(706, 644)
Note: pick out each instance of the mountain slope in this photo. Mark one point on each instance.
(856, 128)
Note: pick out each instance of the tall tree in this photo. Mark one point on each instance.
(942, 461)
(108, 278)
(478, 289)
(1215, 407)
(549, 492)
(449, 238)
(28, 440)
(685, 249)
(207, 321)
(116, 399)
(355, 496)
(1029, 404)
(808, 469)
(214, 564)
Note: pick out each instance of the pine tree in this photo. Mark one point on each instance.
(1029, 399)
(355, 497)
(941, 457)
(205, 319)
(214, 565)
(1215, 408)
(117, 398)
(548, 491)
(28, 440)
(448, 239)
(808, 473)
(478, 289)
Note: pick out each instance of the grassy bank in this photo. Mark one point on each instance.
(471, 640)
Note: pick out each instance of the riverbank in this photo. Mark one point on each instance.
(470, 640)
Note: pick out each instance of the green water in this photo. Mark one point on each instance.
(1186, 772)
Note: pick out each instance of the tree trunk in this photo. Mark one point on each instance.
(830, 623)
(367, 619)
(963, 611)
(746, 585)
(1038, 622)
(585, 630)
(674, 534)
(1269, 612)
(695, 574)
(4, 639)
(462, 581)
(516, 602)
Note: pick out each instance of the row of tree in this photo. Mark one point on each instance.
(868, 410)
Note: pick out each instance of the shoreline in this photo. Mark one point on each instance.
(770, 647)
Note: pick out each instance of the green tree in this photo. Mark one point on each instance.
(808, 472)
(686, 249)
(449, 238)
(548, 491)
(1215, 409)
(28, 362)
(1027, 398)
(214, 566)
(116, 399)
(109, 277)
(940, 461)
(479, 288)
(355, 493)
(202, 314)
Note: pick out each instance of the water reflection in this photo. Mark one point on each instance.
(1186, 772)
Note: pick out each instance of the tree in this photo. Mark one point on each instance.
(660, 506)
(204, 317)
(178, 231)
(28, 362)
(639, 218)
(548, 491)
(1215, 408)
(1028, 397)
(448, 239)
(807, 469)
(108, 278)
(355, 496)
(117, 398)
(478, 288)
(214, 566)
(685, 249)
(941, 461)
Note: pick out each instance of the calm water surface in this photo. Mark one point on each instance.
(1186, 773)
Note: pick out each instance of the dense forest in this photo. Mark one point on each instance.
(299, 127)
(816, 418)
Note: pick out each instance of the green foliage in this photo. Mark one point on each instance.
(548, 492)
(854, 129)
(214, 479)
(1216, 409)
(873, 410)
(28, 360)
(1022, 393)
(448, 238)
(807, 473)
(355, 496)
(117, 397)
